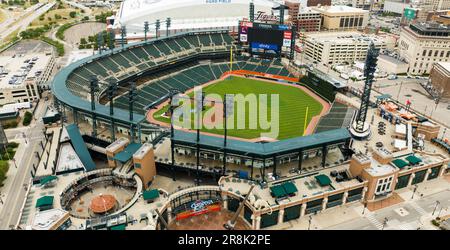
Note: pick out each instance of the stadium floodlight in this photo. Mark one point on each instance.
(112, 37)
(100, 42)
(132, 97)
(145, 30)
(157, 26)
(93, 84)
(168, 23)
(123, 35)
(252, 12)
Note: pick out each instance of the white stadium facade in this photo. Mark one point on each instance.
(189, 15)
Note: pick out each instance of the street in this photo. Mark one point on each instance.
(410, 215)
(13, 24)
(14, 194)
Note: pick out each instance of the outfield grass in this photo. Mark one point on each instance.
(293, 104)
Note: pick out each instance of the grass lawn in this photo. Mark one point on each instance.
(64, 13)
(4, 166)
(293, 104)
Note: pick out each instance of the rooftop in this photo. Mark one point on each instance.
(15, 71)
(187, 9)
(390, 59)
(339, 9)
(445, 66)
(344, 37)
(68, 160)
(431, 29)
(307, 186)
(45, 220)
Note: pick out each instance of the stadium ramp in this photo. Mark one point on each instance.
(80, 147)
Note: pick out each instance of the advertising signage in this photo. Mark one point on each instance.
(199, 207)
(409, 14)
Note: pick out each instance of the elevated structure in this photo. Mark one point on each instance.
(80, 147)
(188, 15)
(360, 128)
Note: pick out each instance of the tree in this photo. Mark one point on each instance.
(83, 41)
(72, 14)
(57, 16)
(27, 118)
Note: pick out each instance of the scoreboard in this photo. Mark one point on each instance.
(265, 39)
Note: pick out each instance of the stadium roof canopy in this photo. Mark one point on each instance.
(186, 14)
(251, 149)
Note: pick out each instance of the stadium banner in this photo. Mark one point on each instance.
(243, 34)
(199, 207)
(287, 40)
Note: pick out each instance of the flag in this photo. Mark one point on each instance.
(408, 102)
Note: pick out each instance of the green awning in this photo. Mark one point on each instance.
(278, 191)
(400, 163)
(151, 195)
(323, 180)
(414, 160)
(119, 227)
(48, 179)
(290, 188)
(44, 201)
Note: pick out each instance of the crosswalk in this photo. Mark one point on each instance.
(419, 209)
(374, 221)
(406, 226)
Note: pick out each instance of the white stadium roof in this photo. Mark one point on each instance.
(186, 14)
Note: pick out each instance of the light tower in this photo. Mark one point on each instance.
(360, 129)
(157, 27)
(93, 84)
(252, 12)
(145, 30)
(132, 96)
(123, 35)
(110, 92)
(168, 24)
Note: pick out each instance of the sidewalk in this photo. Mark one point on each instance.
(424, 189)
(5, 190)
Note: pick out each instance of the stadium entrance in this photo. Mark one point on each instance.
(201, 210)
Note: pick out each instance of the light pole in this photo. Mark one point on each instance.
(364, 208)
(415, 189)
(309, 224)
(435, 207)
(384, 223)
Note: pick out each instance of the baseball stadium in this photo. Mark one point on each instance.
(118, 108)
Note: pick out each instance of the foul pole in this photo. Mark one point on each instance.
(231, 59)
(306, 121)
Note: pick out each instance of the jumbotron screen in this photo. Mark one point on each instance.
(265, 38)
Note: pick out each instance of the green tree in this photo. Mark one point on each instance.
(72, 14)
(27, 118)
